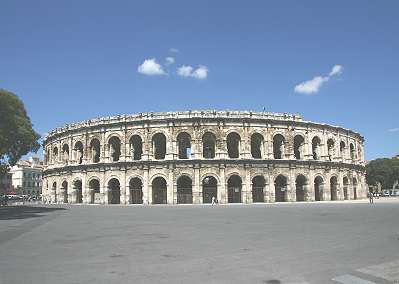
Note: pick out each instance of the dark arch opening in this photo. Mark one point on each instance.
(184, 190)
(78, 191)
(280, 185)
(300, 184)
(94, 186)
(65, 153)
(256, 145)
(208, 145)
(299, 143)
(354, 188)
(318, 188)
(234, 186)
(159, 146)
(159, 191)
(114, 148)
(258, 187)
(184, 144)
(95, 150)
(209, 189)
(136, 147)
(64, 188)
(330, 149)
(114, 191)
(233, 145)
(79, 152)
(278, 146)
(316, 148)
(334, 188)
(136, 191)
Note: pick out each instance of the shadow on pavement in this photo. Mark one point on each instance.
(23, 212)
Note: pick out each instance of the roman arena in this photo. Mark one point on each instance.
(189, 157)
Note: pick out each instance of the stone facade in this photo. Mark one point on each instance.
(192, 156)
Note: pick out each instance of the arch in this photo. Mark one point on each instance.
(334, 188)
(136, 147)
(95, 150)
(299, 144)
(184, 190)
(300, 187)
(354, 184)
(65, 152)
(94, 186)
(136, 190)
(258, 189)
(54, 189)
(342, 147)
(233, 145)
(330, 148)
(208, 145)
(64, 191)
(159, 190)
(77, 185)
(280, 188)
(234, 188)
(114, 191)
(345, 182)
(184, 145)
(257, 142)
(114, 147)
(352, 150)
(159, 146)
(79, 152)
(316, 142)
(278, 146)
(55, 154)
(209, 188)
(318, 188)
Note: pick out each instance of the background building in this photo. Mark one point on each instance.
(6, 184)
(27, 176)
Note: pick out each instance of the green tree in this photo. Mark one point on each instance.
(17, 137)
(384, 171)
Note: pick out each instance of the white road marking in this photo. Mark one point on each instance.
(350, 279)
(388, 271)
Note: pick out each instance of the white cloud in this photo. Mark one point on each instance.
(173, 50)
(170, 60)
(394, 129)
(187, 71)
(151, 67)
(313, 86)
(336, 70)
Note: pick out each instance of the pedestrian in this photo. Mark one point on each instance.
(213, 200)
(371, 197)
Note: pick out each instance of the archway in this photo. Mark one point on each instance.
(233, 145)
(258, 186)
(65, 153)
(159, 191)
(54, 188)
(234, 186)
(334, 188)
(94, 186)
(300, 183)
(330, 149)
(209, 189)
(136, 191)
(95, 150)
(345, 182)
(318, 188)
(299, 143)
(114, 148)
(136, 147)
(184, 190)
(114, 191)
(184, 144)
(64, 189)
(159, 146)
(257, 145)
(79, 152)
(78, 191)
(278, 146)
(208, 145)
(342, 148)
(280, 185)
(316, 142)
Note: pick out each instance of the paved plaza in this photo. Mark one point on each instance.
(319, 242)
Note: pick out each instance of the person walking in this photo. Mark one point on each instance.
(213, 200)
(371, 197)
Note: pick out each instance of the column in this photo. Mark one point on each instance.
(197, 196)
(147, 190)
(247, 192)
(222, 189)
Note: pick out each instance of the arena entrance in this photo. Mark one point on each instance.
(114, 192)
(318, 188)
(234, 185)
(94, 186)
(159, 191)
(78, 191)
(333, 188)
(64, 189)
(280, 188)
(258, 185)
(209, 189)
(136, 191)
(184, 190)
(300, 188)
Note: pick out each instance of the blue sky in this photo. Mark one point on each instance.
(75, 60)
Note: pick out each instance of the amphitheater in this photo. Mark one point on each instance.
(191, 157)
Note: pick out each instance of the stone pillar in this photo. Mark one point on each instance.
(266, 191)
(247, 187)
(222, 188)
(272, 192)
(147, 189)
(171, 196)
(197, 196)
